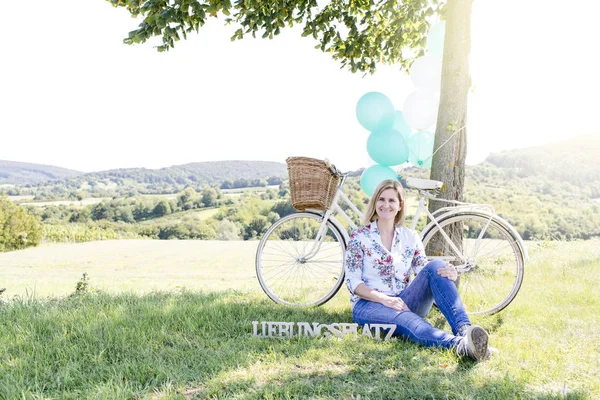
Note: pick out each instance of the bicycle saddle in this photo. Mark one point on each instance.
(423, 184)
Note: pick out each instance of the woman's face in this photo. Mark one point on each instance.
(388, 204)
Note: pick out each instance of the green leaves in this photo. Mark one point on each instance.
(359, 33)
(18, 229)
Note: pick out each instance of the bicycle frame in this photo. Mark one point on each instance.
(457, 207)
(443, 212)
(329, 216)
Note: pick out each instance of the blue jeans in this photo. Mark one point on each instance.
(426, 287)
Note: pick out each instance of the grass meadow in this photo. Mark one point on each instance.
(172, 320)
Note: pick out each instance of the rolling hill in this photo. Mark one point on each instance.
(15, 173)
(576, 160)
(47, 184)
(545, 192)
(568, 168)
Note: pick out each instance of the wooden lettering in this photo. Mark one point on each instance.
(367, 331)
(333, 330)
(349, 328)
(272, 329)
(308, 330)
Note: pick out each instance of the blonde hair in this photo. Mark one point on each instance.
(371, 212)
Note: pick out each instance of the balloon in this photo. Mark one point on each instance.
(375, 111)
(435, 39)
(420, 149)
(374, 175)
(420, 109)
(400, 124)
(387, 147)
(426, 73)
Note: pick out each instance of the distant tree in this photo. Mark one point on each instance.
(240, 183)
(186, 198)
(142, 211)
(227, 184)
(101, 211)
(256, 227)
(18, 229)
(269, 194)
(272, 217)
(227, 230)
(124, 214)
(80, 216)
(176, 231)
(274, 180)
(284, 189)
(209, 197)
(162, 208)
(203, 230)
(283, 208)
(257, 183)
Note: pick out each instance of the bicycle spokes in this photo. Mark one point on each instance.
(490, 264)
(294, 267)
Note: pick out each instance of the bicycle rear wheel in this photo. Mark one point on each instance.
(492, 275)
(286, 272)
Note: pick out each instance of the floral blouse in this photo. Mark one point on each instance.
(369, 262)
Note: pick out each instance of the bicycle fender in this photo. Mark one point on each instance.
(494, 217)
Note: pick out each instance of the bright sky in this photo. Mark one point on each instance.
(73, 95)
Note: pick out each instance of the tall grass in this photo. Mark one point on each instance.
(81, 233)
(185, 344)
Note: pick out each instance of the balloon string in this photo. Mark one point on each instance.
(443, 144)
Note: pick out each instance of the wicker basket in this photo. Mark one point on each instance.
(312, 182)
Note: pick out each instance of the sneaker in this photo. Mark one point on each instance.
(474, 344)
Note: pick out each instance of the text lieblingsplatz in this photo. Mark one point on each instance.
(268, 329)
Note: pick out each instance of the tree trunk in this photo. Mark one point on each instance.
(448, 163)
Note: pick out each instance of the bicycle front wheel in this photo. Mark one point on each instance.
(491, 272)
(293, 268)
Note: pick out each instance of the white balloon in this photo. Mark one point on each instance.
(426, 73)
(420, 109)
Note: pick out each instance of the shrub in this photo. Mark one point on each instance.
(18, 229)
(227, 230)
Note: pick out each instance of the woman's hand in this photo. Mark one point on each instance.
(367, 293)
(449, 271)
(394, 302)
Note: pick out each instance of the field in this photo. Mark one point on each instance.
(200, 215)
(239, 191)
(130, 265)
(27, 200)
(172, 320)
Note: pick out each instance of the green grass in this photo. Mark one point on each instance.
(130, 265)
(78, 203)
(198, 343)
(198, 215)
(253, 189)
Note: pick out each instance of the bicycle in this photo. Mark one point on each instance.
(300, 258)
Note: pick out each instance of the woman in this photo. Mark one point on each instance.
(379, 260)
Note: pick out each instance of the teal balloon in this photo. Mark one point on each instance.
(435, 39)
(375, 111)
(387, 147)
(374, 175)
(401, 125)
(420, 147)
